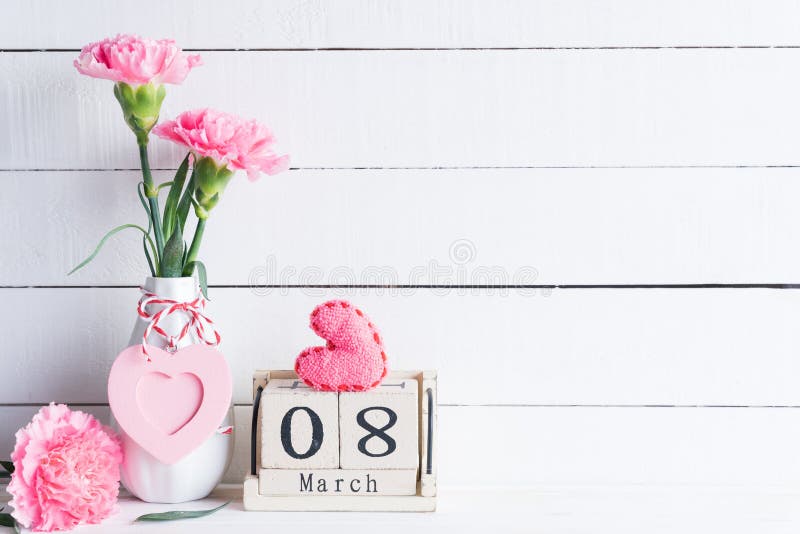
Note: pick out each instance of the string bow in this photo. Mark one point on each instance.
(197, 321)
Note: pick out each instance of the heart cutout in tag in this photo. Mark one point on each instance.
(184, 392)
(172, 403)
(353, 358)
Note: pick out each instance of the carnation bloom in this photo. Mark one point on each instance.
(230, 141)
(135, 60)
(66, 470)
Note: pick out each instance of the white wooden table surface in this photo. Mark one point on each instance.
(567, 509)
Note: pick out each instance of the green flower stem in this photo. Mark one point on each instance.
(195, 247)
(152, 197)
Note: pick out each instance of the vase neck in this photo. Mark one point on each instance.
(180, 289)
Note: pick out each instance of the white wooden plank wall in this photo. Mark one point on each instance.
(607, 188)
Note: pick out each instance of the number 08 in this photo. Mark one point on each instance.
(318, 433)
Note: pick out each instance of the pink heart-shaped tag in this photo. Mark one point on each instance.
(352, 360)
(174, 402)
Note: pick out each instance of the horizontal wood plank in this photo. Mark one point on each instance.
(524, 446)
(414, 227)
(408, 24)
(435, 109)
(534, 447)
(588, 347)
(551, 446)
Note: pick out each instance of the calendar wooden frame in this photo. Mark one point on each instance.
(423, 501)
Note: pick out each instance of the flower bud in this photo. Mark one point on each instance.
(141, 106)
(210, 180)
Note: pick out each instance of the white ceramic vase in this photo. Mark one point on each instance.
(194, 476)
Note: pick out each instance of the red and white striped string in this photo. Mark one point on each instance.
(197, 321)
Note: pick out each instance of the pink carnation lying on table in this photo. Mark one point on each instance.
(136, 60)
(66, 470)
(238, 143)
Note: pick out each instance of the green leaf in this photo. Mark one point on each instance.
(7, 465)
(179, 514)
(140, 191)
(171, 206)
(103, 242)
(148, 258)
(6, 520)
(172, 262)
(146, 206)
(185, 203)
(201, 275)
(163, 185)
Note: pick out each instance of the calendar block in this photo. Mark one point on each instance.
(376, 450)
(379, 429)
(333, 482)
(299, 426)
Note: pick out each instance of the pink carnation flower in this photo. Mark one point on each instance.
(66, 470)
(134, 60)
(227, 139)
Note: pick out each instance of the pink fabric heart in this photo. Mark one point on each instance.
(353, 358)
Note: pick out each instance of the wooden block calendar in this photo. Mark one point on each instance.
(365, 451)
(299, 426)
